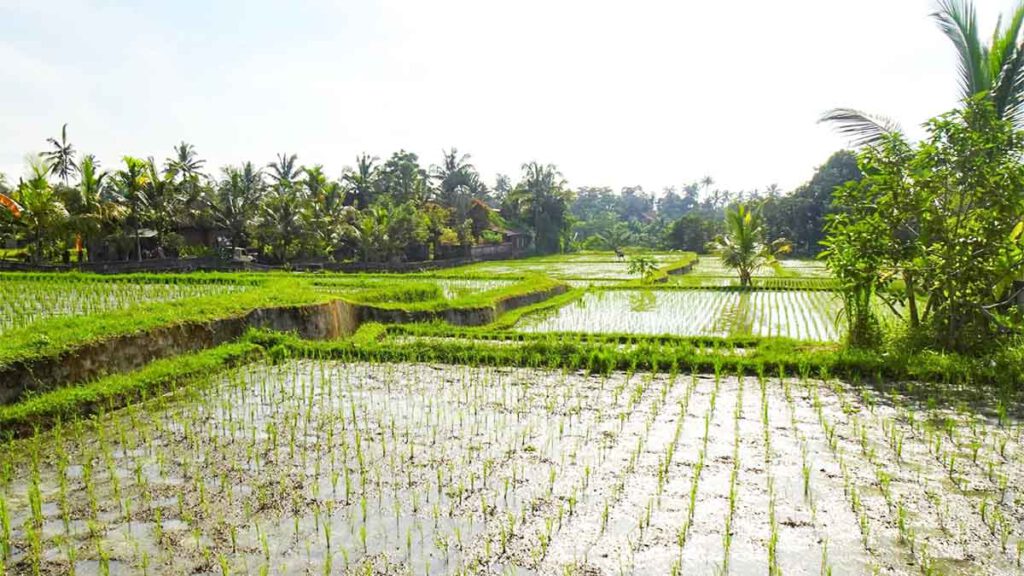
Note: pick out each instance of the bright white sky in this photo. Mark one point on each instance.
(614, 93)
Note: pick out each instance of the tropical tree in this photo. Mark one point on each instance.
(236, 201)
(329, 222)
(279, 227)
(458, 184)
(92, 211)
(185, 169)
(61, 157)
(615, 238)
(132, 187)
(643, 265)
(943, 219)
(994, 70)
(743, 246)
(404, 180)
(541, 201)
(41, 212)
(362, 181)
(386, 231)
(285, 170)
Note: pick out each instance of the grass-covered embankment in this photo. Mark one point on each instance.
(112, 392)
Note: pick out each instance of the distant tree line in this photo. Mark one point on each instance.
(691, 217)
(71, 206)
(376, 211)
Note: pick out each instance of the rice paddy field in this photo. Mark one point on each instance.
(333, 467)
(803, 315)
(581, 268)
(25, 300)
(369, 454)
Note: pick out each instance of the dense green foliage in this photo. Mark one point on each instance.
(938, 222)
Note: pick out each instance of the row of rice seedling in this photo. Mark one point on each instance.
(23, 302)
(320, 466)
(684, 313)
(799, 314)
(804, 315)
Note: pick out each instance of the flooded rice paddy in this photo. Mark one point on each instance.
(324, 467)
(803, 315)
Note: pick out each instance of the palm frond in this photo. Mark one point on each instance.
(958, 21)
(861, 128)
(1007, 61)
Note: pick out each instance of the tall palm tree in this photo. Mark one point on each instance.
(185, 169)
(236, 200)
(285, 170)
(707, 182)
(743, 245)
(994, 70)
(61, 157)
(92, 211)
(362, 181)
(542, 201)
(458, 183)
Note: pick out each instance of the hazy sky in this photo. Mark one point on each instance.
(614, 93)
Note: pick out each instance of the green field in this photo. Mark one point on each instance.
(609, 426)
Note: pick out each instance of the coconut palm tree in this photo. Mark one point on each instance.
(61, 157)
(236, 200)
(41, 211)
(185, 169)
(285, 170)
(132, 185)
(92, 210)
(362, 181)
(542, 202)
(994, 70)
(743, 245)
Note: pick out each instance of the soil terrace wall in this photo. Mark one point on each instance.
(133, 351)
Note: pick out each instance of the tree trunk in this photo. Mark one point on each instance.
(138, 244)
(908, 279)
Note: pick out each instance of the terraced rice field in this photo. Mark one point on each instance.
(578, 267)
(323, 467)
(804, 315)
(23, 302)
(451, 288)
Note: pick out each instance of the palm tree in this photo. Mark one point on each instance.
(994, 71)
(707, 182)
(285, 170)
(185, 169)
(458, 183)
(61, 158)
(92, 211)
(542, 201)
(132, 186)
(743, 245)
(41, 211)
(362, 181)
(279, 226)
(236, 200)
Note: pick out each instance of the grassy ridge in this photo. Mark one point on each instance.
(59, 335)
(139, 278)
(116, 391)
(54, 336)
(961, 377)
